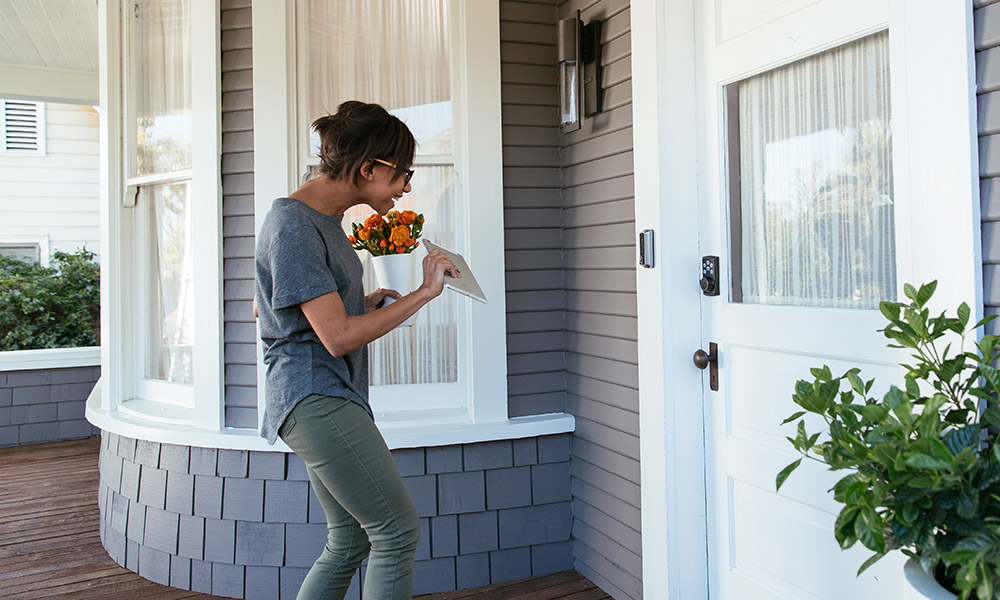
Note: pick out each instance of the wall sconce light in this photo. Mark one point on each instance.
(579, 55)
(569, 73)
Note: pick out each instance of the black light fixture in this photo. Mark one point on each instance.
(579, 56)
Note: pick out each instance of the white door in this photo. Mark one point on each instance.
(797, 201)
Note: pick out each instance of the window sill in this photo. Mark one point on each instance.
(401, 430)
(53, 358)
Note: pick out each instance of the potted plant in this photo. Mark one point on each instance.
(922, 461)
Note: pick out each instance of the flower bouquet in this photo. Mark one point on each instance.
(391, 240)
(397, 233)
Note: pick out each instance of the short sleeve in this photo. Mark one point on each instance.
(298, 264)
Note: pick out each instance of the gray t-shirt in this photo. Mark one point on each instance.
(303, 254)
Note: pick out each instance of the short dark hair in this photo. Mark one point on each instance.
(359, 132)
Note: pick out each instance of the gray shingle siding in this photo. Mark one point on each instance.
(45, 405)
(238, 215)
(252, 523)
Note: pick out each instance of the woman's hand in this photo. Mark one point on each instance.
(435, 265)
(375, 299)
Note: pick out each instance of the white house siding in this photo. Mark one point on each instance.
(55, 197)
(987, 31)
(238, 215)
(601, 353)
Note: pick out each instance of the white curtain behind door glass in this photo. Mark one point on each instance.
(160, 86)
(817, 212)
(397, 53)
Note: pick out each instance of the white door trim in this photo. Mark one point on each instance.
(671, 427)
(937, 40)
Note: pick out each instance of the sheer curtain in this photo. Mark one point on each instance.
(397, 53)
(158, 96)
(171, 269)
(816, 190)
(160, 86)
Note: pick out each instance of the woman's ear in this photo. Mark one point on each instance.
(368, 170)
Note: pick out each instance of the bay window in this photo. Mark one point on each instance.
(163, 191)
(435, 65)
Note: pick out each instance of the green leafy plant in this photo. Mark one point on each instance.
(924, 460)
(50, 307)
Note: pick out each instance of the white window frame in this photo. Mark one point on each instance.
(42, 242)
(40, 132)
(123, 301)
(481, 393)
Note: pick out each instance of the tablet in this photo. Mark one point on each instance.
(467, 284)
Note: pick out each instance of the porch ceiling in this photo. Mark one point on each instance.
(49, 50)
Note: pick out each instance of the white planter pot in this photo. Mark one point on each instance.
(396, 272)
(921, 585)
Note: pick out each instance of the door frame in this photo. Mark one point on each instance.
(938, 111)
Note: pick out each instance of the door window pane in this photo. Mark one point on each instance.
(159, 93)
(396, 53)
(814, 217)
(170, 289)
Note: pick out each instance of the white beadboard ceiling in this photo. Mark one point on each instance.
(58, 34)
(48, 50)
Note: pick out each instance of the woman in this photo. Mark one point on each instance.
(316, 322)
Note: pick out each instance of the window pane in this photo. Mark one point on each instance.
(393, 52)
(816, 207)
(427, 352)
(159, 95)
(170, 288)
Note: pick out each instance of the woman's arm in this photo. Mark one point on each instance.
(342, 334)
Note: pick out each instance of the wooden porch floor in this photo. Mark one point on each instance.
(50, 546)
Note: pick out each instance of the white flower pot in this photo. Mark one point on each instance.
(921, 585)
(396, 272)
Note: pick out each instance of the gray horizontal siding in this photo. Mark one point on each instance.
(598, 225)
(536, 339)
(238, 215)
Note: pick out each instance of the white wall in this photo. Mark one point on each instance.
(55, 196)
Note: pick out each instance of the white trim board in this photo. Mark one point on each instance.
(420, 433)
(52, 358)
(47, 84)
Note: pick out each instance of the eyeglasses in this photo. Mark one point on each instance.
(409, 172)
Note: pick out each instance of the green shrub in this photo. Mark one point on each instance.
(50, 307)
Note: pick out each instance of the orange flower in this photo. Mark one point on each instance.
(374, 221)
(351, 239)
(392, 215)
(400, 249)
(399, 235)
(365, 234)
(407, 217)
(382, 243)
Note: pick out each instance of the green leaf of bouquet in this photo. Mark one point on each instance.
(890, 310)
(910, 291)
(984, 321)
(856, 383)
(813, 403)
(783, 475)
(991, 416)
(961, 438)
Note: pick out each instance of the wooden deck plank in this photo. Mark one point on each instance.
(50, 547)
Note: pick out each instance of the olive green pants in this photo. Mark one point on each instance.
(368, 509)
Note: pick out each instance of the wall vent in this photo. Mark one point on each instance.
(22, 131)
